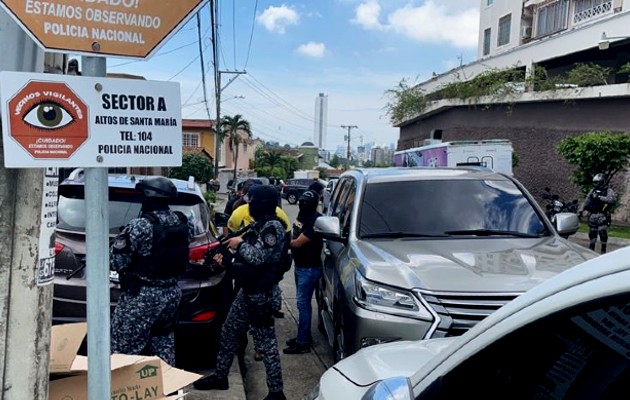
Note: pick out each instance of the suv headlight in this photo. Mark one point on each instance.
(375, 297)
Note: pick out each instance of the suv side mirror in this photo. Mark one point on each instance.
(566, 223)
(329, 228)
(221, 219)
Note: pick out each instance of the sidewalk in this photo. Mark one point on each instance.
(235, 378)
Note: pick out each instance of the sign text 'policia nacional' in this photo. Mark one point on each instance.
(57, 121)
(131, 28)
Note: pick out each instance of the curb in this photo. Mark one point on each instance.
(611, 240)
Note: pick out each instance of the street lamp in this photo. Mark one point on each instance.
(604, 42)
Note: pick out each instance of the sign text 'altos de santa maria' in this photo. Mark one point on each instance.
(60, 121)
(132, 28)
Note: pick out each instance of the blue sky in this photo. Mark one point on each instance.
(351, 50)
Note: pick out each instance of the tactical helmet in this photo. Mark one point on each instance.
(308, 202)
(309, 198)
(599, 180)
(263, 201)
(157, 187)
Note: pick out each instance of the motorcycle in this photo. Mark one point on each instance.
(555, 205)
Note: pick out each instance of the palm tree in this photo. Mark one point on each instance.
(234, 127)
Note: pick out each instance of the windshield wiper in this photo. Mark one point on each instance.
(492, 232)
(397, 235)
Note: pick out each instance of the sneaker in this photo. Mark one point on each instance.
(211, 382)
(275, 396)
(293, 341)
(297, 348)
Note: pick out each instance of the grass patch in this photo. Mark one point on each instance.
(617, 231)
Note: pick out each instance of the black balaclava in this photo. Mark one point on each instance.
(263, 202)
(308, 204)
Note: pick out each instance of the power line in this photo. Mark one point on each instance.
(203, 72)
(251, 35)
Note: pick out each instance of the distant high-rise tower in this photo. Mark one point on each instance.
(321, 120)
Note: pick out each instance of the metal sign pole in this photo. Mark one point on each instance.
(97, 265)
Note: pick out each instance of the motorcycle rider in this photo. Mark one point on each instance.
(598, 204)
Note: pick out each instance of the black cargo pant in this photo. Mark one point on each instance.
(251, 311)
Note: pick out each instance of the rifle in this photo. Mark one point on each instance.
(219, 247)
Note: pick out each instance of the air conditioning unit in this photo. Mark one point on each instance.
(526, 32)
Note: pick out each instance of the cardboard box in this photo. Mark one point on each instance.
(133, 377)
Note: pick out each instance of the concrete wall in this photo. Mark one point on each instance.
(534, 129)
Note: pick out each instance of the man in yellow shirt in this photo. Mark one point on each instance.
(241, 217)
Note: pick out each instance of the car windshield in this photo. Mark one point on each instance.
(71, 214)
(452, 208)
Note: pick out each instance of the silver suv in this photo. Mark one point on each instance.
(416, 253)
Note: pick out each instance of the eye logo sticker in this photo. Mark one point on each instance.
(48, 120)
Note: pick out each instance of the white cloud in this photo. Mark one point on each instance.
(276, 19)
(452, 22)
(312, 49)
(367, 15)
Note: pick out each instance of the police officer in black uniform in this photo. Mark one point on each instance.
(149, 255)
(598, 205)
(256, 264)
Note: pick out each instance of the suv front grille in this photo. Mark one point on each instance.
(458, 312)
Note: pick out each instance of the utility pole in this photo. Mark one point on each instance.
(347, 137)
(26, 305)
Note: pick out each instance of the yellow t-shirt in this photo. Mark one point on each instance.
(241, 218)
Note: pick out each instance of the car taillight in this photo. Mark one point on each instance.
(58, 248)
(196, 255)
(204, 316)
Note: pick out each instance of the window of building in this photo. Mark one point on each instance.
(590, 9)
(244, 147)
(489, 2)
(505, 25)
(486, 41)
(552, 18)
(190, 139)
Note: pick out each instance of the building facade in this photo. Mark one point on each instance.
(540, 42)
(321, 120)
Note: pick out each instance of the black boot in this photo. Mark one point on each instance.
(211, 382)
(275, 396)
(603, 248)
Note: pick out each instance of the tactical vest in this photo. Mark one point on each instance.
(169, 250)
(262, 277)
(594, 205)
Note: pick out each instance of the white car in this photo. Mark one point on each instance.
(567, 338)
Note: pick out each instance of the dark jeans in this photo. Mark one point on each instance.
(306, 280)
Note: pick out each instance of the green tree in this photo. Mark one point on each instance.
(589, 74)
(406, 101)
(268, 162)
(595, 152)
(193, 164)
(334, 161)
(323, 173)
(233, 128)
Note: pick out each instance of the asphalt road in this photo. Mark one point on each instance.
(300, 372)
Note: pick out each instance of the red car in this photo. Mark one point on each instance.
(205, 290)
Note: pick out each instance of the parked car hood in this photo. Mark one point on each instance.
(465, 265)
(376, 363)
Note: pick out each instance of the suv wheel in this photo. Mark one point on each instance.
(339, 343)
(292, 198)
